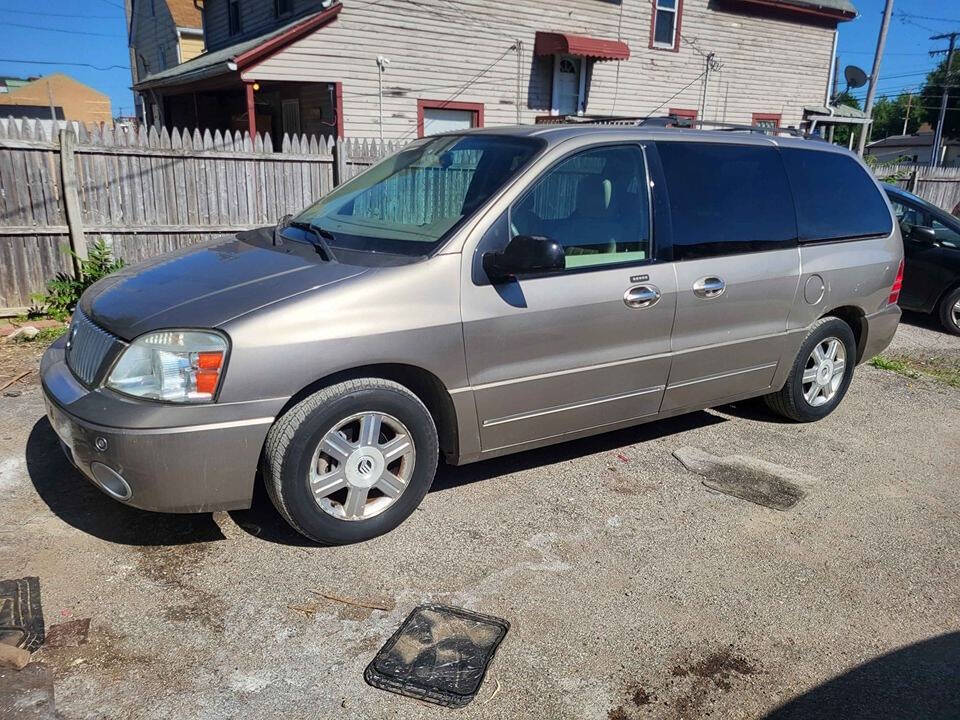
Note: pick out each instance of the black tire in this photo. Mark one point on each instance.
(790, 401)
(291, 442)
(947, 319)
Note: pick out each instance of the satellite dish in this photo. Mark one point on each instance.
(855, 76)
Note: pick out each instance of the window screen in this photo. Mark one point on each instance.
(727, 199)
(594, 204)
(836, 198)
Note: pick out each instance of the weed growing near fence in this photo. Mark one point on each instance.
(64, 290)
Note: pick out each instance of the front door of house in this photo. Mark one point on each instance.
(566, 85)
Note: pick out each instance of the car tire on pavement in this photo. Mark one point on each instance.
(820, 375)
(950, 311)
(352, 461)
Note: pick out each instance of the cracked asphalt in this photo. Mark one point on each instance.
(633, 591)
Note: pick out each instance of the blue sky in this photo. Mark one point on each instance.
(92, 33)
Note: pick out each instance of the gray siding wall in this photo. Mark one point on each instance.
(256, 17)
(149, 33)
(445, 50)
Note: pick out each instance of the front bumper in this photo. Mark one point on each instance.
(170, 458)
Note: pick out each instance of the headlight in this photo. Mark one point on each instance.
(171, 365)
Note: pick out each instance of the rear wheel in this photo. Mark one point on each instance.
(352, 461)
(950, 311)
(820, 375)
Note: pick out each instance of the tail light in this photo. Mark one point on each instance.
(897, 284)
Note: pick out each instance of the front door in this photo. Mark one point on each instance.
(566, 84)
(583, 348)
(735, 239)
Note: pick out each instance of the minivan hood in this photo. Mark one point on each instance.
(205, 285)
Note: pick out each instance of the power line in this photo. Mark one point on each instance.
(75, 64)
(61, 15)
(697, 78)
(59, 30)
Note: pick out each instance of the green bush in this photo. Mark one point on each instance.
(64, 291)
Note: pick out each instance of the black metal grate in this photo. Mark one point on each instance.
(87, 347)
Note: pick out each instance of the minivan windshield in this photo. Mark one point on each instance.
(411, 202)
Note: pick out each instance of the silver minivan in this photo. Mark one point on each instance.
(477, 294)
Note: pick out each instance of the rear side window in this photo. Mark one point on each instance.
(727, 199)
(836, 198)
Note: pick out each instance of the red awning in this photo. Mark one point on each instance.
(549, 43)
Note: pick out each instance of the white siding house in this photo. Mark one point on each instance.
(404, 67)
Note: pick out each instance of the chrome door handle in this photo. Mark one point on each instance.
(641, 296)
(709, 287)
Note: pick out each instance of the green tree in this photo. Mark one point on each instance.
(932, 93)
(841, 134)
(889, 114)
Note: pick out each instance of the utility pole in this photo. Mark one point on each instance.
(907, 118)
(875, 75)
(938, 135)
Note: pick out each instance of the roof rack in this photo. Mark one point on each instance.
(673, 121)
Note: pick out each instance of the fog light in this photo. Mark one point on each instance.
(110, 481)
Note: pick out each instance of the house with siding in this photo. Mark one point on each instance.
(406, 68)
(161, 34)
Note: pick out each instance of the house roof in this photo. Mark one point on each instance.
(236, 57)
(185, 14)
(840, 9)
(918, 140)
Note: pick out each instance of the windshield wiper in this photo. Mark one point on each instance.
(321, 237)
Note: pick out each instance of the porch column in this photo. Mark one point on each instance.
(251, 110)
(338, 107)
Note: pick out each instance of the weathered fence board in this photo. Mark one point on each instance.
(146, 192)
(940, 186)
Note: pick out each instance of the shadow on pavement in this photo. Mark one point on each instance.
(923, 320)
(917, 681)
(263, 521)
(72, 498)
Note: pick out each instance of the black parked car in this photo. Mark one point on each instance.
(931, 253)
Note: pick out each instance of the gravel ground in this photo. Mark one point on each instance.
(632, 590)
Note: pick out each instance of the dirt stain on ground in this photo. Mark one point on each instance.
(689, 688)
(174, 566)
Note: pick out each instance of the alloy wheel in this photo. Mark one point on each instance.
(823, 372)
(362, 466)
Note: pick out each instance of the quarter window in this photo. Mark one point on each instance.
(836, 198)
(595, 204)
(727, 199)
(665, 30)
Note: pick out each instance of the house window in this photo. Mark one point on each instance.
(162, 52)
(767, 121)
(233, 17)
(291, 117)
(681, 113)
(437, 116)
(569, 81)
(665, 24)
(282, 7)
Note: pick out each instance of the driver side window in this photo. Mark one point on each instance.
(594, 204)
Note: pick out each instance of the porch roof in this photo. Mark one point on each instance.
(239, 56)
(551, 43)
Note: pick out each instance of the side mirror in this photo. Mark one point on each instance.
(925, 235)
(524, 255)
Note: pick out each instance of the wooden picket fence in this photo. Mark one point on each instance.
(148, 192)
(940, 185)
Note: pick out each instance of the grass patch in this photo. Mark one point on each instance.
(945, 370)
(44, 336)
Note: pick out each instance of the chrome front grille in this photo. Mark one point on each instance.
(87, 347)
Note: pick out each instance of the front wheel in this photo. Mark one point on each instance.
(820, 375)
(351, 461)
(950, 312)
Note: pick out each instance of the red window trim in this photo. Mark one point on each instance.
(476, 108)
(681, 112)
(760, 117)
(676, 30)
